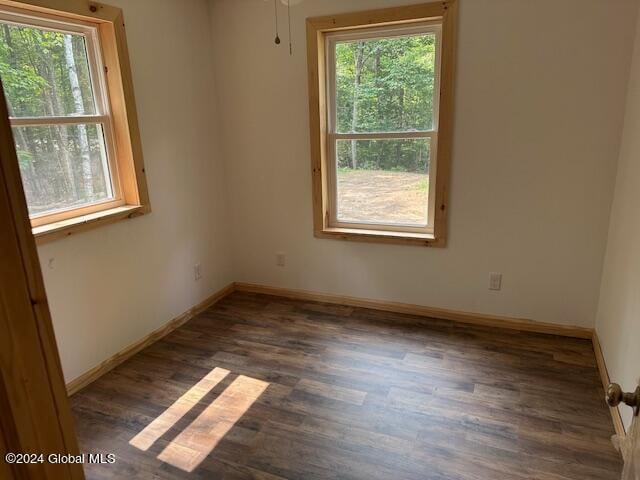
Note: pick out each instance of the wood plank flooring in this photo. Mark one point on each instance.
(261, 387)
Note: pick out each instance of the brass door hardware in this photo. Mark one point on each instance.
(615, 396)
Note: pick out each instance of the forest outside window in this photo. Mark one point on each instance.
(77, 153)
(380, 118)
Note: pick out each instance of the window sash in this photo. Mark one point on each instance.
(113, 177)
(57, 120)
(332, 183)
(102, 116)
(76, 27)
(332, 136)
(383, 135)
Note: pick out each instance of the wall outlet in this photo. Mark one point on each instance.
(197, 272)
(281, 259)
(495, 281)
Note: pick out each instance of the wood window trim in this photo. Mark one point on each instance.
(317, 29)
(128, 148)
(81, 223)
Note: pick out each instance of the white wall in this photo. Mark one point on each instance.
(539, 108)
(618, 320)
(113, 285)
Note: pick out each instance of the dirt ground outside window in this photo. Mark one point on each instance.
(382, 196)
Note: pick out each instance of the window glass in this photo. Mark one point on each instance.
(383, 181)
(385, 85)
(62, 166)
(45, 72)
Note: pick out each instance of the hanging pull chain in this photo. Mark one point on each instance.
(289, 19)
(275, 14)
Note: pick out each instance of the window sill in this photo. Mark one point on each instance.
(65, 228)
(380, 236)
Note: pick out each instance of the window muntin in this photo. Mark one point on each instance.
(59, 111)
(382, 108)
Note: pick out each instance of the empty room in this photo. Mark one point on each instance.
(320, 239)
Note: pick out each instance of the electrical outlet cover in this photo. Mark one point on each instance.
(495, 281)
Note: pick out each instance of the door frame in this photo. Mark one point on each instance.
(35, 415)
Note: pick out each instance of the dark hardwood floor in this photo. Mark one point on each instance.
(261, 387)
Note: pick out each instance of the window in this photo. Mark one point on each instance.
(72, 115)
(380, 104)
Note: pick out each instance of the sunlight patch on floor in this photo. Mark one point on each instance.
(152, 432)
(198, 440)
